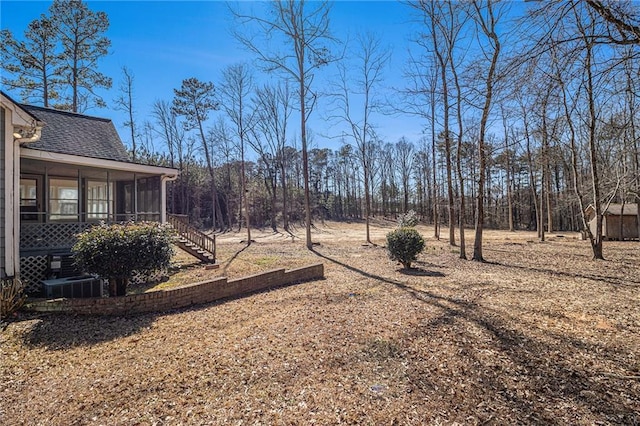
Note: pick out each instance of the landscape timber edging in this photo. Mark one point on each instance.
(180, 297)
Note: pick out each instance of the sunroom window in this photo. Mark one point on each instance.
(99, 200)
(28, 199)
(63, 199)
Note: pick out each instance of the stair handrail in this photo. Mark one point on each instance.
(192, 234)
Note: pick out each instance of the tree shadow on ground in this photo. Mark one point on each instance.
(360, 271)
(420, 272)
(546, 371)
(289, 235)
(525, 374)
(615, 281)
(424, 264)
(225, 268)
(60, 332)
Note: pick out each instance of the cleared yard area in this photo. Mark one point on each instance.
(538, 335)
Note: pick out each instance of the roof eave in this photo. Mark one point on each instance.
(76, 160)
(26, 126)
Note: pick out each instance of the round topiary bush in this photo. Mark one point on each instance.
(118, 251)
(404, 245)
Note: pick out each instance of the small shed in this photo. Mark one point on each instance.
(619, 222)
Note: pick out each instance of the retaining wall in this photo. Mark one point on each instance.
(180, 297)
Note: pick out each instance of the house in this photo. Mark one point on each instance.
(61, 173)
(619, 222)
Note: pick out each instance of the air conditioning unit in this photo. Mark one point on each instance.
(62, 265)
(73, 287)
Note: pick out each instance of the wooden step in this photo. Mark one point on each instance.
(199, 253)
(187, 235)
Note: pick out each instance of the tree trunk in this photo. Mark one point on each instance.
(596, 242)
(244, 190)
(447, 135)
(367, 201)
(436, 228)
(621, 218)
(305, 166)
(638, 215)
(274, 199)
(461, 215)
(541, 233)
(283, 179)
(118, 287)
(489, 30)
(508, 173)
(548, 200)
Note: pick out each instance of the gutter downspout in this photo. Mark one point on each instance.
(12, 200)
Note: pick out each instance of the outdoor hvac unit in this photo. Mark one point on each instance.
(80, 286)
(62, 265)
(67, 281)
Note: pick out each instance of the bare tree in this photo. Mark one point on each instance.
(404, 160)
(273, 109)
(522, 102)
(507, 167)
(235, 90)
(451, 27)
(420, 99)
(584, 31)
(624, 21)
(303, 27)
(445, 22)
(633, 141)
(388, 187)
(221, 141)
(179, 150)
(585, 37)
(486, 16)
(369, 60)
(432, 14)
(124, 103)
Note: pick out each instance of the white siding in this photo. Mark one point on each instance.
(2, 190)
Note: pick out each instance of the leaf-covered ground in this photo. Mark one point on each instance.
(539, 334)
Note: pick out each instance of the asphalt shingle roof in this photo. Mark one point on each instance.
(629, 209)
(77, 134)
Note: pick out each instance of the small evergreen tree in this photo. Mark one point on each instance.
(404, 245)
(117, 252)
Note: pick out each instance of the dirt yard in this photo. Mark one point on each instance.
(539, 334)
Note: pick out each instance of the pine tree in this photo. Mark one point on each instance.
(30, 65)
(81, 33)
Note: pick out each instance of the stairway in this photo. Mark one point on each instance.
(192, 240)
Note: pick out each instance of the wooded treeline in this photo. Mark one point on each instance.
(527, 121)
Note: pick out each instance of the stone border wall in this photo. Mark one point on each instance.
(180, 297)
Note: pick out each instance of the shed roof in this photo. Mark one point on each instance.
(77, 134)
(630, 209)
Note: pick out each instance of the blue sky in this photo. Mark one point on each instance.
(164, 42)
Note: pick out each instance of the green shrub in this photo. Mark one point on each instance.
(404, 245)
(118, 251)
